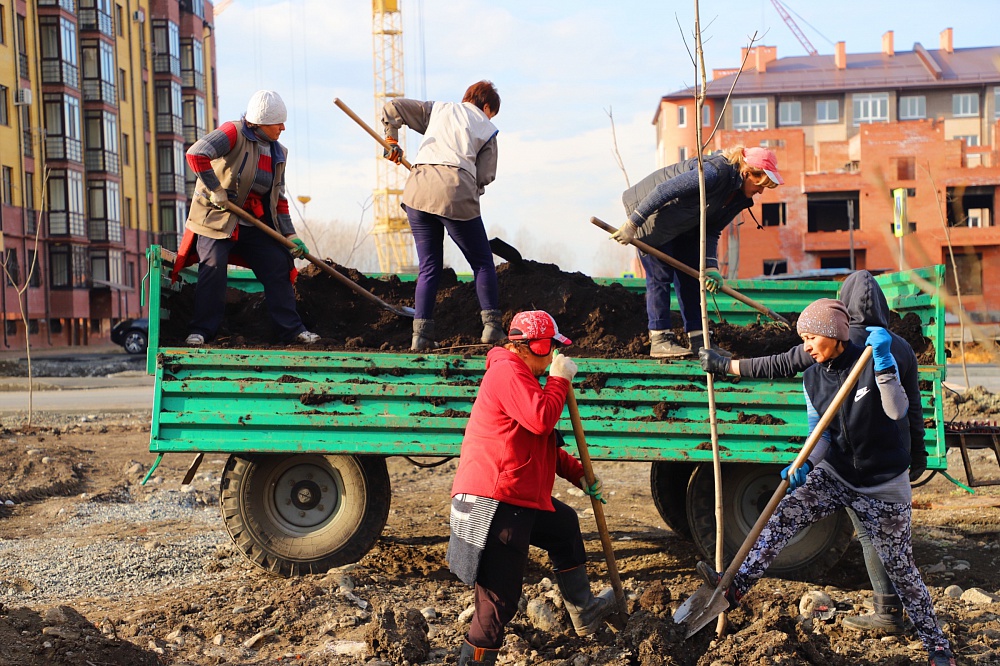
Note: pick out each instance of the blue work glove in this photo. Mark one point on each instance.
(300, 250)
(713, 280)
(595, 490)
(798, 477)
(881, 343)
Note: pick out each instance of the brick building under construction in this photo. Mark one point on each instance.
(848, 129)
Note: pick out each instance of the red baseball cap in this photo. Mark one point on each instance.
(765, 160)
(536, 325)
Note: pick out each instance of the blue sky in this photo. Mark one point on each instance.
(559, 67)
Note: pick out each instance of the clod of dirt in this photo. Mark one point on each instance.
(399, 635)
(975, 403)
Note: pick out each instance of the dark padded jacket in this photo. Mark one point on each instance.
(867, 306)
(666, 203)
(866, 445)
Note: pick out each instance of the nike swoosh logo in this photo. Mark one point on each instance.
(862, 392)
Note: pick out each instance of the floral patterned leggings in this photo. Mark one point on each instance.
(887, 524)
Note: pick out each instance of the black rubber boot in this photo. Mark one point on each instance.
(423, 335)
(476, 656)
(585, 610)
(663, 344)
(492, 326)
(887, 617)
(697, 340)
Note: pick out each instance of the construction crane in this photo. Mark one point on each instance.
(794, 27)
(393, 240)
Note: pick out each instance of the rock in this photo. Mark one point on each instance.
(467, 614)
(8, 503)
(429, 613)
(542, 617)
(816, 604)
(257, 638)
(218, 639)
(977, 595)
(239, 610)
(348, 648)
(135, 469)
(46, 460)
(398, 634)
(953, 591)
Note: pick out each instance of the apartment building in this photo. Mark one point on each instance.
(98, 102)
(848, 130)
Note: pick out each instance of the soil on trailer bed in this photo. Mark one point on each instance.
(605, 321)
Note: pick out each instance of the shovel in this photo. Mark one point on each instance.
(684, 268)
(497, 246)
(402, 311)
(707, 603)
(618, 619)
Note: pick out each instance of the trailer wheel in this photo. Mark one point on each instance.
(306, 513)
(746, 490)
(668, 483)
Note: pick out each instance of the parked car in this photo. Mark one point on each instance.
(132, 334)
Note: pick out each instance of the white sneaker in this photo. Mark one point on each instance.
(307, 338)
(194, 340)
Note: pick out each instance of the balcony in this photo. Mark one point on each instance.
(193, 79)
(102, 160)
(95, 90)
(164, 63)
(169, 124)
(68, 5)
(105, 231)
(171, 183)
(95, 20)
(67, 223)
(60, 72)
(63, 148)
(192, 134)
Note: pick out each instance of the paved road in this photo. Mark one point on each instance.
(980, 374)
(131, 391)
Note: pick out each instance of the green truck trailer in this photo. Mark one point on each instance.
(307, 433)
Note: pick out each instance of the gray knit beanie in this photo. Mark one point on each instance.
(827, 317)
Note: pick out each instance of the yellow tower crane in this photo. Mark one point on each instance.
(393, 240)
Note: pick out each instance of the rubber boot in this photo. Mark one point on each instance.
(662, 344)
(423, 335)
(697, 340)
(585, 610)
(476, 656)
(492, 326)
(886, 618)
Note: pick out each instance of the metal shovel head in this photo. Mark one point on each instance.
(505, 251)
(706, 604)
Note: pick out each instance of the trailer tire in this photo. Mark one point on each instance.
(304, 513)
(746, 490)
(668, 483)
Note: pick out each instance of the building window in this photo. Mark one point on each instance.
(194, 118)
(706, 115)
(34, 270)
(871, 108)
(62, 127)
(120, 20)
(682, 154)
(127, 213)
(912, 108)
(996, 103)
(4, 115)
(66, 207)
(682, 116)
(3, 25)
(192, 64)
(790, 113)
(106, 267)
(59, 53)
(970, 206)
(102, 142)
(170, 166)
(831, 211)
(12, 272)
(906, 167)
(166, 48)
(750, 113)
(105, 224)
(98, 72)
(773, 214)
(969, 267)
(971, 140)
(965, 105)
(836, 261)
(126, 149)
(122, 84)
(68, 266)
(827, 111)
(169, 108)
(8, 186)
(775, 266)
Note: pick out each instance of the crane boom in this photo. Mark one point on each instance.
(794, 27)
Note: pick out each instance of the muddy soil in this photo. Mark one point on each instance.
(96, 569)
(602, 321)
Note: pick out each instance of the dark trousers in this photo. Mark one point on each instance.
(270, 262)
(502, 565)
(470, 237)
(660, 277)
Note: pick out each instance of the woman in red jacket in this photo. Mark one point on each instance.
(502, 495)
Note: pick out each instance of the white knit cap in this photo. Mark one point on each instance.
(266, 108)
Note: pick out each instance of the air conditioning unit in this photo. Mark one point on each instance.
(22, 97)
(139, 16)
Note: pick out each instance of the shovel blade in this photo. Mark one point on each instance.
(505, 251)
(706, 604)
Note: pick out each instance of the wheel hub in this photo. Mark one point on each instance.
(306, 495)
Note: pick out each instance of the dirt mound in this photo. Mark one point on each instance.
(603, 321)
(975, 404)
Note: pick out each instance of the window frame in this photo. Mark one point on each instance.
(745, 110)
(906, 113)
(862, 101)
(962, 105)
(795, 116)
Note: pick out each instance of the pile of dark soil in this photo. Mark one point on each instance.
(603, 321)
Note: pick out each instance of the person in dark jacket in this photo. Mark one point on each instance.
(502, 494)
(866, 306)
(860, 461)
(664, 212)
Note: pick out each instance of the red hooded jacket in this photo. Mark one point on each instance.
(510, 452)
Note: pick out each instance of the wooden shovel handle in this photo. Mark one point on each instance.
(684, 268)
(807, 449)
(375, 135)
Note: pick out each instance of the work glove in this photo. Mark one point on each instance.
(562, 366)
(300, 250)
(219, 198)
(714, 362)
(918, 465)
(593, 490)
(798, 477)
(395, 153)
(713, 280)
(626, 233)
(881, 343)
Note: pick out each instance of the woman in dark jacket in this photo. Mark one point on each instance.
(664, 212)
(502, 495)
(860, 462)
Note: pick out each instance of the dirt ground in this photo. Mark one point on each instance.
(168, 587)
